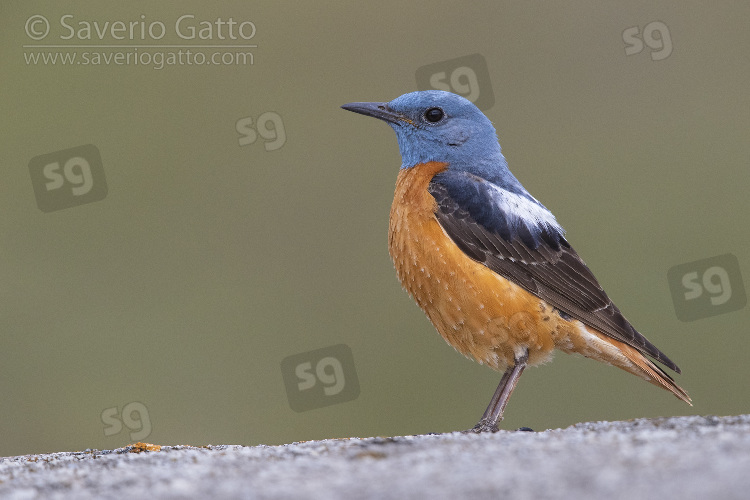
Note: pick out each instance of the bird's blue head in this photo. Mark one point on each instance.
(434, 125)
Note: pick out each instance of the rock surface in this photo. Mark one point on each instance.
(680, 457)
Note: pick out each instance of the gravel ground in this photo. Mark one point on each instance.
(680, 457)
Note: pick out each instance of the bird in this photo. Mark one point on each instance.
(488, 264)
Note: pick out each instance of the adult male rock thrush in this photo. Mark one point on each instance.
(488, 263)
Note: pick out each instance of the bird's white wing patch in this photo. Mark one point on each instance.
(521, 207)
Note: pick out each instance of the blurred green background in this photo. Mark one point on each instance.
(209, 262)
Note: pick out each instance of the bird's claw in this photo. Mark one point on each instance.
(484, 426)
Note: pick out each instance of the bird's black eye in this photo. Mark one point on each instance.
(434, 115)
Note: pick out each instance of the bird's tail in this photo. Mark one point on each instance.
(621, 355)
(646, 369)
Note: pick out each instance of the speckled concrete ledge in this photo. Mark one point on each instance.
(681, 457)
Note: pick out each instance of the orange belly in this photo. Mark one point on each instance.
(478, 312)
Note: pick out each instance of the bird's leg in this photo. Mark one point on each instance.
(494, 412)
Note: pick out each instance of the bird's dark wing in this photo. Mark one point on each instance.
(530, 253)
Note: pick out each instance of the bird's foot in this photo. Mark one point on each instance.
(484, 425)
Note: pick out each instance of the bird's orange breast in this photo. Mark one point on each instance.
(478, 312)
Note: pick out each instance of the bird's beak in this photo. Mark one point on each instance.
(378, 110)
